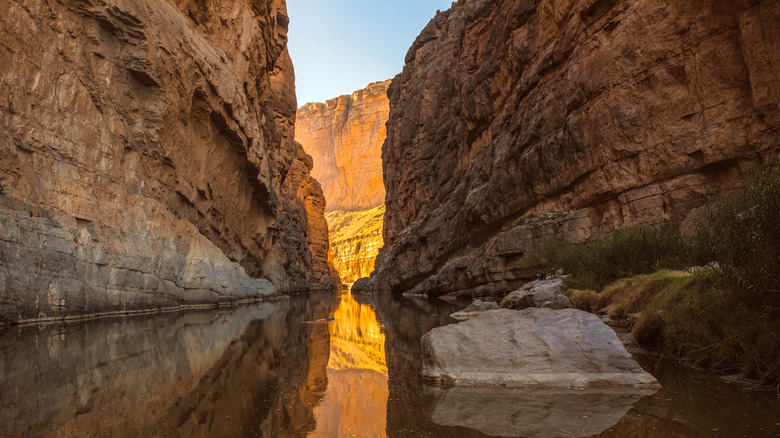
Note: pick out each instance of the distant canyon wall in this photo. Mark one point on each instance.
(515, 121)
(345, 137)
(148, 155)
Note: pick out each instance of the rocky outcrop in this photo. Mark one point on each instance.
(517, 121)
(148, 153)
(547, 294)
(345, 137)
(355, 240)
(531, 348)
(476, 308)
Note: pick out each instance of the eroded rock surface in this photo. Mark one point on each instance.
(539, 293)
(345, 137)
(531, 348)
(475, 308)
(515, 121)
(149, 157)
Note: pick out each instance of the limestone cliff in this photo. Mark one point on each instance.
(345, 136)
(355, 240)
(517, 120)
(148, 152)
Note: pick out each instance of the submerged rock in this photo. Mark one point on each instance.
(474, 309)
(540, 293)
(532, 348)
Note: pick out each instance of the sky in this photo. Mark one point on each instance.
(339, 46)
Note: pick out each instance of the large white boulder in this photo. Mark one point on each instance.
(534, 347)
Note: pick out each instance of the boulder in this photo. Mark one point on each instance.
(540, 293)
(474, 309)
(534, 347)
(362, 285)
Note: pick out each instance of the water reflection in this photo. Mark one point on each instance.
(355, 402)
(230, 373)
(260, 371)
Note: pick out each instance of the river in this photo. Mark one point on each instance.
(280, 369)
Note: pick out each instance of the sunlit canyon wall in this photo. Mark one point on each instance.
(515, 121)
(345, 137)
(147, 148)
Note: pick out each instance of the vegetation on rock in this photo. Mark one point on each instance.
(725, 315)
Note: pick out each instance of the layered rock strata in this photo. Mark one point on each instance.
(147, 148)
(345, 137)
(355, 240)
(514, 122)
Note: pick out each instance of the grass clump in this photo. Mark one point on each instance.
(726, 318)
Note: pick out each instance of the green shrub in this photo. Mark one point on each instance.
(595, 264)
(743, 234)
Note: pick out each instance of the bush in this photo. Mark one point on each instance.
(630, 252)
(743, 235)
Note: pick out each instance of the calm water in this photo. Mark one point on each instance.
(271, 370)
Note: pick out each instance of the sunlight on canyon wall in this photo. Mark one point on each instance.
(355, 240)
(355, 401)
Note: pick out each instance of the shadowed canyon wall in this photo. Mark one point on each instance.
(515, 121)
(148, 152)
(345, 137)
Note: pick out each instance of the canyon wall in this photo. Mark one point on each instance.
(355, 240)
(345, 136)
(148, 158)
(515, 121)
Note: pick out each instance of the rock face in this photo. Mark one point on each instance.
(355, 240)
(541, 293)
(149, 157)
(515, 121)
(474, 309)
(345, 137)
(532, 348)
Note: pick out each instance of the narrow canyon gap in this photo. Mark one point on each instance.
(344, 136)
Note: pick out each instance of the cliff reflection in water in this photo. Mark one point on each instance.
(355, 402)
(254, 370)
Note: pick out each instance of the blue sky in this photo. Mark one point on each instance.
(339, 46)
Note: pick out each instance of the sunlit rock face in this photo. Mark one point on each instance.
(355, 240)
(357, 360)
(345, 136)
(149, 158)
(515, 121)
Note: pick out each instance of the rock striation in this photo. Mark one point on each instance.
(345, 137)
(515, 121)
(355, 240)
(148, 153)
